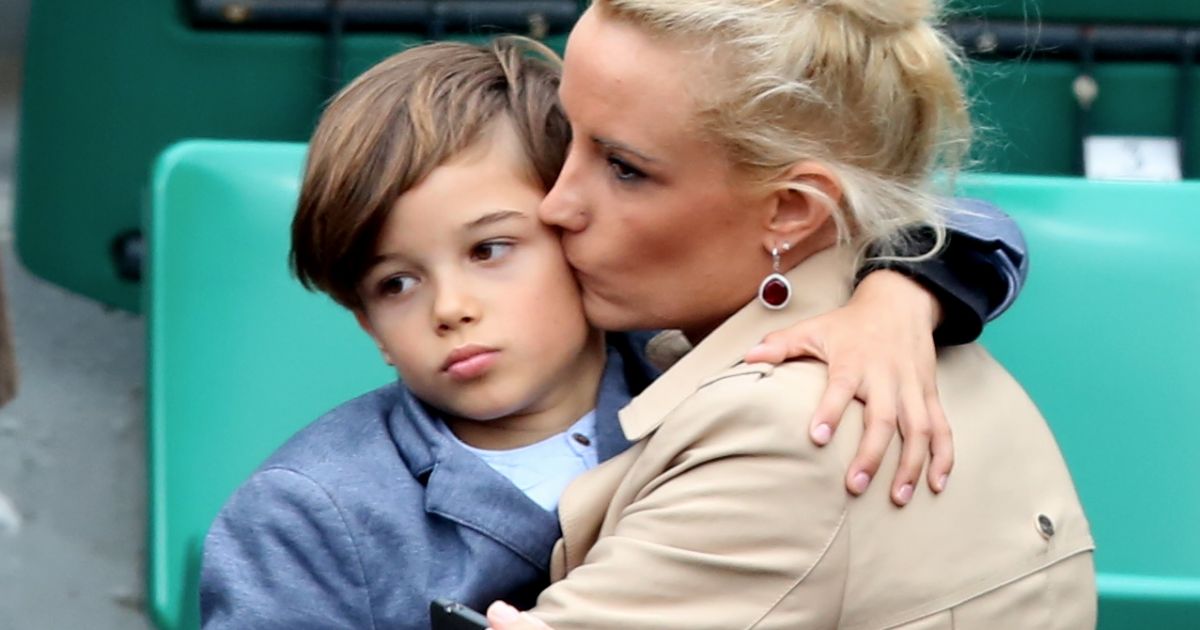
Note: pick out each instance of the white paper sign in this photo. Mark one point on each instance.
(1132, 158)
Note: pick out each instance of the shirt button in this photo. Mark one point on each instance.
(581, 439)
(1045, 526)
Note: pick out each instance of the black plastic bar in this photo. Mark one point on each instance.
(1086, 81)
(1187, 107)
(128, 252)
(334, 66)
(435, 17)
(1008, 40)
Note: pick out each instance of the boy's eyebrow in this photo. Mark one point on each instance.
(613, 145)
(494, 217)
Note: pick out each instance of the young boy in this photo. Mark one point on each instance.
(418, 213)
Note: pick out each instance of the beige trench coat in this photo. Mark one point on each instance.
(724, 515)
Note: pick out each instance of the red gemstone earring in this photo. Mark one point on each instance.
(775, 291)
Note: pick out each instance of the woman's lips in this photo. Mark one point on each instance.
(470, 362)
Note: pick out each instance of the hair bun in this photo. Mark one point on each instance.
(885, 15)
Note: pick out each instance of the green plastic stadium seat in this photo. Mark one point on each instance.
(1103, 338)
(240, 355)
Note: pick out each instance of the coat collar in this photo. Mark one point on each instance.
(819, 284)
(464, 489)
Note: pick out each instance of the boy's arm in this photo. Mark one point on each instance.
(280, 556)
(978, 274)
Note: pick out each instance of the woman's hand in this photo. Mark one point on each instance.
(501, 616)
(879, 348)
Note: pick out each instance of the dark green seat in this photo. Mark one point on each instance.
(81, 172)
(1103, 338)
(240, 355)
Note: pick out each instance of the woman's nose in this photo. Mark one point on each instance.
(562, 207)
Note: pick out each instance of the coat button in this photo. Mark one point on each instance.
(582, 439)
(1045, 526)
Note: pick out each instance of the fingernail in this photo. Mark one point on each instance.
(905, 493)
(942, 482)
(821, 434)
(860, 482)
(505, 613)
(759, 348)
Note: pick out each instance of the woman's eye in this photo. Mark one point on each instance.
(395, 285)
(623, 170)
(490, 250)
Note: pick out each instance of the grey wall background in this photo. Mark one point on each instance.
(12, 24)
(72, 454)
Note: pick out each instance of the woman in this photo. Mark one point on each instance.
(730, 160)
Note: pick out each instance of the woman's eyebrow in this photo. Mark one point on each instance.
(494, 217)
(613, 145)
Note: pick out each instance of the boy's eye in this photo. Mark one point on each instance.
(490, 250)
(623, 170)
(395, 285)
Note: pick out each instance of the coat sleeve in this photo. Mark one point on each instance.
(279, 555)
(743, 525)
(976, 276)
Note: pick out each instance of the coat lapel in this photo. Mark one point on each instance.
(582, 508)
(461, 488)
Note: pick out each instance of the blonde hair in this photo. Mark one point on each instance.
(397, 122)
(869, 88)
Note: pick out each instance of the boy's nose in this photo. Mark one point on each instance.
(454, 309)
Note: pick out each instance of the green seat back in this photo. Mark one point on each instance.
(1105, 340)
(240, 355)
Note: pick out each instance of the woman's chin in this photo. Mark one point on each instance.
(607, 315)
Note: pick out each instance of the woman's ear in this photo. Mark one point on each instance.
(808, 195)
(363, 322)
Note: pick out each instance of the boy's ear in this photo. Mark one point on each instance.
(808, 195)
(365, 324)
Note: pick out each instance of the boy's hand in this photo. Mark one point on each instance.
(501, 616)
(880, 349)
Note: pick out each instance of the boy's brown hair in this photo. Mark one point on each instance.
(393, 125)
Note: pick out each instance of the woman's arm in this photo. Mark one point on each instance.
(880, 346)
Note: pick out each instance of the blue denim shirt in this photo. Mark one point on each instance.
(370, 512)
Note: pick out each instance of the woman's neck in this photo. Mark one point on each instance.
(796, 255)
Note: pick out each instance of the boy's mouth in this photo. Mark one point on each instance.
(470, 361)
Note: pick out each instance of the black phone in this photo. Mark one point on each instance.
(448, 615)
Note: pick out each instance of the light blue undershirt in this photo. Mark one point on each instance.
(544, 469)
